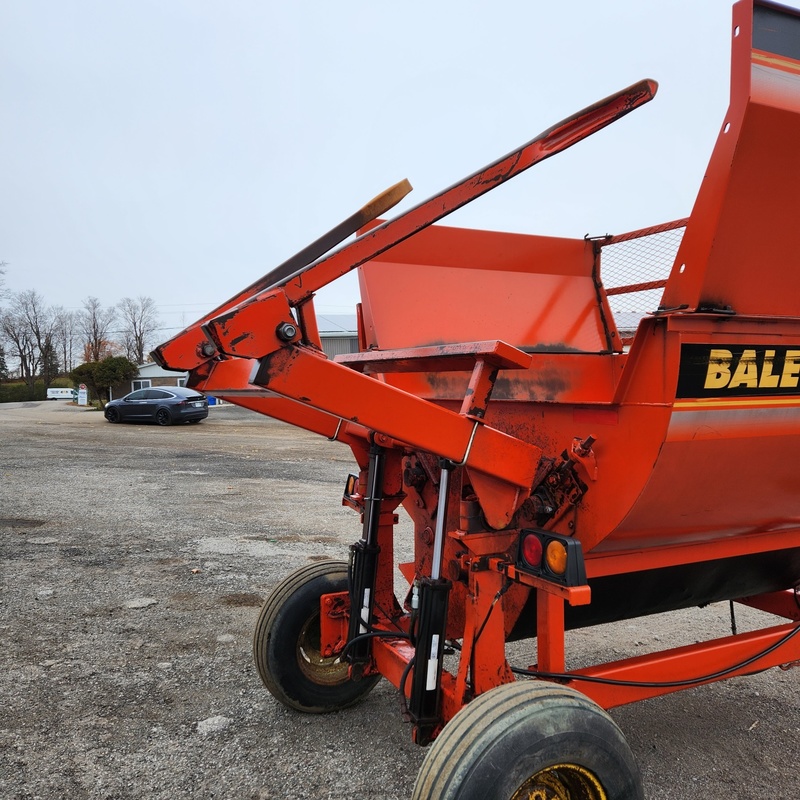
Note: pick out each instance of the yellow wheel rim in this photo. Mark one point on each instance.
(561, 782)
(322, 670)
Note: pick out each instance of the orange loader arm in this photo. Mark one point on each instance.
(271, 327)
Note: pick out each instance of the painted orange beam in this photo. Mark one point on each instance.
(304, 375)
(693, 665)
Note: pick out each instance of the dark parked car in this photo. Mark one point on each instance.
(165, 405)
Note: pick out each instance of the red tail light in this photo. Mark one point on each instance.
(531, 550)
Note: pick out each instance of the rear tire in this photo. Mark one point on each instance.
(286, 644)
(163, 417)
(530, 739)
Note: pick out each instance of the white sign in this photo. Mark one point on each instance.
(83, 396)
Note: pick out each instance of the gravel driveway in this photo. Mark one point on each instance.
(133, 560)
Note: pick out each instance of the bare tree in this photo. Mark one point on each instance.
(139, 323)
(40, 320)
(65, 334)
(28, 327)
(22, 348)
(94, 325)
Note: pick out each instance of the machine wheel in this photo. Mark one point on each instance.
(111, 414)
(163, 417)
(286, 644)
(526, 740)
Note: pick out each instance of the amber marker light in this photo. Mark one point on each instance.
(556, 557)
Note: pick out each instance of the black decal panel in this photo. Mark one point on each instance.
(735, 370)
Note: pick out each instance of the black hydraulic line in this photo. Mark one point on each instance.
(571, 676)
(403, 679)
(500, 593)
(372, 635)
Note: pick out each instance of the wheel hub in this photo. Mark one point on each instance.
(561, 782)
(329, 671)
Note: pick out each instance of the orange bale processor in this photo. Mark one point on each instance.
(564, 463)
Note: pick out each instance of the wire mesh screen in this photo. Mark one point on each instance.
(634, 268)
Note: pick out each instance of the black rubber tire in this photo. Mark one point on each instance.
(286, 644)
(163, 417)
(498, 742)
(112, 415)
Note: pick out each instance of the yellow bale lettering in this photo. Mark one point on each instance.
(768, 380)
(746, 373)
(791, 368)
(719, 369)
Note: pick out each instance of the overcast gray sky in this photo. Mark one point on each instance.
(182, 148)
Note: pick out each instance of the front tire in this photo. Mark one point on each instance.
(286, 644)
(112, 415)
(530, 739)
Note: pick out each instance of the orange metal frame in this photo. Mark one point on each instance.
(497, 352)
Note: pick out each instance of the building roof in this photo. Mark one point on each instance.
(337, 324)
(153, 370)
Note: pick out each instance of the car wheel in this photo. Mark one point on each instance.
(112, 415)
(163, 417)
(286, 644)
